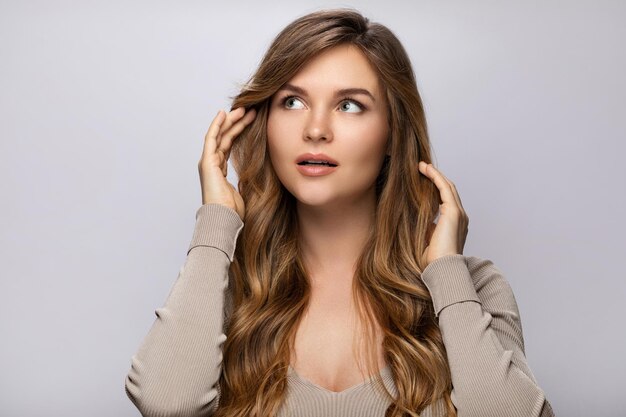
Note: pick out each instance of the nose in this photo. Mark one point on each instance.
(318, 127)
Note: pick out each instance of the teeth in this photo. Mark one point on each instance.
(317, 163)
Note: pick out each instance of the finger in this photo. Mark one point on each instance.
(228, 137)
(455, 193)
(232, 117)
(210, 139)
(464, 218)
(445, 190)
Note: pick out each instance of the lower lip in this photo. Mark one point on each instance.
(315, 170)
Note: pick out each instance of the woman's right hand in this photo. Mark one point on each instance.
(214, 162)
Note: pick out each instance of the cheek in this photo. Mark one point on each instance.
(369, 143)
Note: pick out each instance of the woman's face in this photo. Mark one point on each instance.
(327, 129)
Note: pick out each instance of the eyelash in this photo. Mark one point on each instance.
(358, 103)
(347, 98)
(283, 101)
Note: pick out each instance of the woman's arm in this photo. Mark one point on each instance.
(482, 332)
(176, 369)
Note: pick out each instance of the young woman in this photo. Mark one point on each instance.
(322, 286)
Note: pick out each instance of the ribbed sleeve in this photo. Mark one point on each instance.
(449, 282)
(482, 332)
(176, 369)
(217, 227)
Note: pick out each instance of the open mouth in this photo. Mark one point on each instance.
(318, 163)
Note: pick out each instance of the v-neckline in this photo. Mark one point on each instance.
(383, 372)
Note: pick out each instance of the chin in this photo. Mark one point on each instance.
(313, 199)
(325, 199)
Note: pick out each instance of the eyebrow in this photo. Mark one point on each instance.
(341, 92)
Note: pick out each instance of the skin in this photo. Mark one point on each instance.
(309, 115)
(335, 211)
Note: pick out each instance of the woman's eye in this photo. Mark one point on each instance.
(350, 106)
(293, 103)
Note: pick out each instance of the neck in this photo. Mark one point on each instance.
(332, 239)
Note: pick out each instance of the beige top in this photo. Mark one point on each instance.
(176, 369)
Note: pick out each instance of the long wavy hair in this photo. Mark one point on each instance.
(269, 289)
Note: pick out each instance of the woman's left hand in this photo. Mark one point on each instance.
(447, 236)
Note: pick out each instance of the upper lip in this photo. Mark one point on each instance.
(316, 157)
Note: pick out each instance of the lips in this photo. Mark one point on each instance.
(320, 159)
(315, 164)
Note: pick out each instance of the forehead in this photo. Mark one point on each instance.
(343, 66)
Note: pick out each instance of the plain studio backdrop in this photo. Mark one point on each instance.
(103, 111)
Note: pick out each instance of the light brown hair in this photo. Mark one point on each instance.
(268, 280)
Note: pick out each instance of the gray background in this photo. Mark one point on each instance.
(103, 111)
